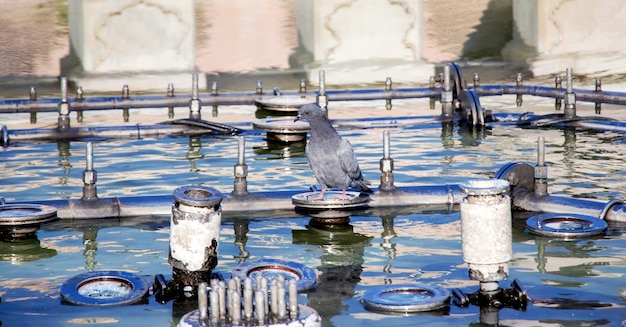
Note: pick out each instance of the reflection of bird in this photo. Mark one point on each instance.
(331, 157)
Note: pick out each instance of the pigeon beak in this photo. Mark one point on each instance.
(297, 118)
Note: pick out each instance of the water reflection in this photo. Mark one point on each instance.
(63, 147)
(387, 236)
(194, 153)
(90, 234)
(341, 265)
(24, 250)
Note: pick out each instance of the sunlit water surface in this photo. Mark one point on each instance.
(565, 279)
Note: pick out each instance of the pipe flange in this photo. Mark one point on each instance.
(608, 207)
(104, 288)
(198, 196)
(406, 298)
(305, 277)
(565, 225)
(26, 214)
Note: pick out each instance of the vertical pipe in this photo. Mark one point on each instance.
(259, 299)
(386, 166)
(32, 94)
(240, 185)
(569, 96)
(558, 85)
(80, 96)
(215, 304)
(259, 87)
(203, 301)
(194, 234)
(518, 83)
(302, 87)
(195, 105)
(170, 94)
(388, 88)
(293, 299)
(486, 229)
(125, 96)
(322, 99)
(598, 106)
(90, 176)
(541, 170)
(64, 108)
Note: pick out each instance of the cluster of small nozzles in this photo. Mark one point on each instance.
(273, 302)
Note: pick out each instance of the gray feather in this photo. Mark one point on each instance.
(330, 156)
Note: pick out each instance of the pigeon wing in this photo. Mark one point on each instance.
(317, 163)
(348, 161)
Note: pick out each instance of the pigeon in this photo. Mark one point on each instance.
(330, 156)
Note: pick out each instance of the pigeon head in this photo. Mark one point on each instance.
(310, 112)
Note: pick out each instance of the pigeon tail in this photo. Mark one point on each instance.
(360, 185)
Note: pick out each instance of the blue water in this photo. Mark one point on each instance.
(564, 279)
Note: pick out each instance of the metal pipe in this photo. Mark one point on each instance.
(612, 210)
(119, 207)
(134, 131)
(182, 100)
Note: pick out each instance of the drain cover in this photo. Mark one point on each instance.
(104, 288)
(406, 298)
(272, 268)
(562, 225)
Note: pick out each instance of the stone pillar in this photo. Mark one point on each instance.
(551, 35)
(363, 41)
(143, 43)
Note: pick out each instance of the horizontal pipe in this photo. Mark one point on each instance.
(243, 98)
(430, 195)
(120, 207)
(133, 131)
(551, 92)
(137, 131)
(529, 201)
(233, 98)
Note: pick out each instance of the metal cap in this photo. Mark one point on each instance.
(198, 196)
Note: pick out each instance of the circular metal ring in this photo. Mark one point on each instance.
(406, 298)
(26, 214)
(332, 200)
(197, 196)
(272, 268)
(608, 207)
(286, 103)
(566, 226)
(478, 187)
(104, 288)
